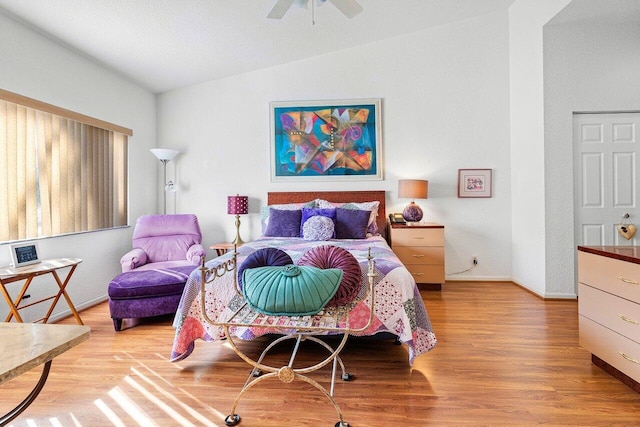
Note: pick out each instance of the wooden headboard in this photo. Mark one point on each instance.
(275, 198)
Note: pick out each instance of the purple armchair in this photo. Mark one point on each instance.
(166, 249)
(162, 241)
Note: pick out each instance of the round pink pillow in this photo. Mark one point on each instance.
(328, 256)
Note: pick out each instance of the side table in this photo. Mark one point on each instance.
(28, 273)
(223, 248)
(420, 247)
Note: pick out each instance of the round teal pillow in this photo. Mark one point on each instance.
(290, 290)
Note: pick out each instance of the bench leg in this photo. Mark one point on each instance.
(117, 324)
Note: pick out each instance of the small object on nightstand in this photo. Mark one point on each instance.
(413, 189)
(420, 247)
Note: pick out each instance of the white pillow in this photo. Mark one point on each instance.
(318, 227)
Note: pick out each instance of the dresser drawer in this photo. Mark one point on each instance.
(417, 237)
(420, 254)
(427, 273)
(611, 275)
(618, 351)
(617, 314)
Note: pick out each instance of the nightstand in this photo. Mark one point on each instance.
(421, 249)
(222, 248)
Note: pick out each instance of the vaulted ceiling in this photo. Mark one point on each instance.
(168, 44)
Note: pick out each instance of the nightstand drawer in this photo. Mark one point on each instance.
(417, 237)
(617, 314)
(420, 254)
(426, 273)
(618, 351)
(611, 275)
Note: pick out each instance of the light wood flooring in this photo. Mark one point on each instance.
(504, 357)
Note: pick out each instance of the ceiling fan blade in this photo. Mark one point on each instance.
(350, 8)
(279, 9)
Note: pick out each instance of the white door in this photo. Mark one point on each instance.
(605, 176)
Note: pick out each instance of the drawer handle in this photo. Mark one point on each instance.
(629, 281)
(417, 256)
(629, 358)
(626, 319)
(418, 274)
(418, 237)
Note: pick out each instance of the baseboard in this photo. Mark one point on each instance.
(67, 313)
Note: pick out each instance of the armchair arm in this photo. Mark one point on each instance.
(196, 254)
(133, 259)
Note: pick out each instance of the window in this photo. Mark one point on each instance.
(60, 172)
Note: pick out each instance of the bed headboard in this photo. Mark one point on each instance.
(279, 197)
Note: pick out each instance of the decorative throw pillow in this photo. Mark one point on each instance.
(329, 256)
(262, 258)
(372, 207)
(308, 213)
(318, 228)
(290, 290)
(283, 223)
(265, 211)
(351, 223)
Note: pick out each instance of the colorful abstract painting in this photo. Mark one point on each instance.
(328, 140)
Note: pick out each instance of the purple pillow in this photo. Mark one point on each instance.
(283, 223)
(311, 212)
(351, 223)
(265, 257)
(329, 256)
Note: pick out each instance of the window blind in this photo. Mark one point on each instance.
(58, 174)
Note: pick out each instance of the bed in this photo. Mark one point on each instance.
(398, 308)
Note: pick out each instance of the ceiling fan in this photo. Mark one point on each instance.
(349, 8)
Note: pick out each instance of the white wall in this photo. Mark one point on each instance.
(445, 99)
(528, 184)
(588, 67)
(36, 67)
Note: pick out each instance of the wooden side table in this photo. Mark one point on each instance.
(222, 248)
(420, 247)
(28, 273)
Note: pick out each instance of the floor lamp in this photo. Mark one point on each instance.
(165, 155)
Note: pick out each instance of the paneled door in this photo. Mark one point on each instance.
(605, 176)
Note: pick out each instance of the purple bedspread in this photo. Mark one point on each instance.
(398, 307)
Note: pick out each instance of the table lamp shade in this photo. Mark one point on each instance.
(238, 205)
(413, 189)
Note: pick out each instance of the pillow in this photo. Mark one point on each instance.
(318, 227)
(262, 258)
(283, 223)
(290, 290)
(329, 256)
(311, 212)
(351, 223)
(372, 226)
(265, 211)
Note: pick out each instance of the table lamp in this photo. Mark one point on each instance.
(412, 189)
(237, 205)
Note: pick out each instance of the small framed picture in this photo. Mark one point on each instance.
(474, 182)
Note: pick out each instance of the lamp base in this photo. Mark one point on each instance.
(238, 241)
(412, 213)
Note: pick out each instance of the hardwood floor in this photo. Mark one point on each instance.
(504, 357)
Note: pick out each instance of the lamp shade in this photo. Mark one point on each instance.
(237, 205)
(165, 153)
(413, 189)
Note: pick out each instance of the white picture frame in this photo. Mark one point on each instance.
(24, 253)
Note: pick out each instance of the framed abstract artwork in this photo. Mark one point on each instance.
(326, 140)
(474, 182)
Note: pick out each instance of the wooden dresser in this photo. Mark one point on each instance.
(609, 309)
(421, 250)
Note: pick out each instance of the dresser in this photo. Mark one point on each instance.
(609, 309)
(421, 250)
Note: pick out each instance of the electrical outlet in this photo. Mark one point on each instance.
(475, 260)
